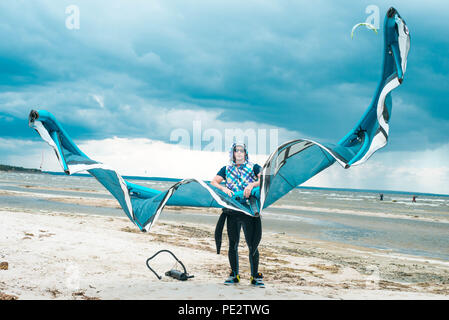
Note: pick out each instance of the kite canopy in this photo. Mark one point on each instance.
(291, 164)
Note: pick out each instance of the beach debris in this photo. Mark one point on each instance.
(54, 292)
(333, 269)
(4, 296)
(45, 234)
(129, 229)
(90, 298)
(78, 293)
(83, 296)
(4, 265)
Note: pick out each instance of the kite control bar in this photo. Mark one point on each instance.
(183, 276)
(239, 195)
(251, 201)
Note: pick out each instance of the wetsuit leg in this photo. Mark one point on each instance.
(252, 228)
(233, 225)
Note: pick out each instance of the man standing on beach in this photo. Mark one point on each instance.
(241, 175)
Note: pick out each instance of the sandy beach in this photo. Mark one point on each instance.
(329, 120)
(56, 255)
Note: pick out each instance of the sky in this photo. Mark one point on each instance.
(158, 88)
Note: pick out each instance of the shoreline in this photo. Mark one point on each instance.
(52, 255)
(110, 202)
(174, 180)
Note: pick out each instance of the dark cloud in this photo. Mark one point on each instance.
(286, 64)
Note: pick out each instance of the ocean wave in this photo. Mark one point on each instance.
(288, 217)
(358, 212)
(348, 199)
(410, 203)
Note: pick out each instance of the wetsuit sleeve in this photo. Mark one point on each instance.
(257, 169)
(222, 172)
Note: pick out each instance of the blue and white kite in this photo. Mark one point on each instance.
(292, 163)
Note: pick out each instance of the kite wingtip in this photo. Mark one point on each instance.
(391, 12)
(33, 116)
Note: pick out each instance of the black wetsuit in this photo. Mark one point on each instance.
(252, 229)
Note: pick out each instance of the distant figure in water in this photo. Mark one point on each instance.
(414, 199)
(381, 196)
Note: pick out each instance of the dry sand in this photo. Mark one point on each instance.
(51, 255)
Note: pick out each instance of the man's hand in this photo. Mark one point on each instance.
(216, 183)
(228, 192)
(248, 189)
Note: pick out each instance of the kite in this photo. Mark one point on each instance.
(291, 164)
(368, 25)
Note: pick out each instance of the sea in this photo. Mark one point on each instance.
(348, 216)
